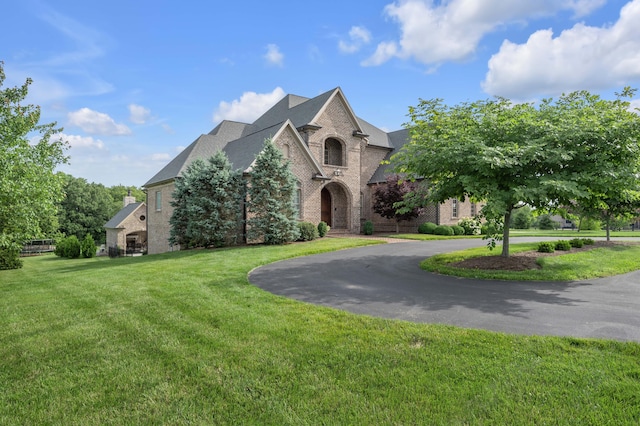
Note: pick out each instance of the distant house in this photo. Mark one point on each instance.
(127, 230)
(335, 155)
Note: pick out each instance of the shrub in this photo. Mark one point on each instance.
(563, 245)
(457, 230)
(10, 255)
(308, 231)
(545, 222)
(469, 225)
(588, 241)
(546, 247)
(88, 247)
(68, 247)
(576, 242)
(427, 228)
(443, 230)
(368, 228)
(323, 228)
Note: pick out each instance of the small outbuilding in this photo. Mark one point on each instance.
(127, 230)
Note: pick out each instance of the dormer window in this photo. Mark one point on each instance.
(333, 153)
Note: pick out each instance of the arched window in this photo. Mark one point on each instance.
(333, 152)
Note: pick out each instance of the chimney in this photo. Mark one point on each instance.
(128, 199)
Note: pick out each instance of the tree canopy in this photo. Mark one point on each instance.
(29, 154)
(578, 148)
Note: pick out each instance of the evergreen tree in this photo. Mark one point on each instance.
(271, 207)
(207, 204)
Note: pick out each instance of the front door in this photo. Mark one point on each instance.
(325, 206)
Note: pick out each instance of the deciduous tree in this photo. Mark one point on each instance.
(29, 154)
(514, 154)
(387, 200)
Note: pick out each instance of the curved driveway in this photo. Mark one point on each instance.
(386, 281)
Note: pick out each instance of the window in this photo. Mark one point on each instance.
(333, 152)
(454, 208)
(473, 209)
(158, 200)
(297, 201)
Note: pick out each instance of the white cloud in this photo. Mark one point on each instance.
(83, 142)
(358, 36)
(95, 122)
(452, 30)
(138, 114)
(249, 107)
(581, 57)
(162, 156)
(167, 128)
(274, 56)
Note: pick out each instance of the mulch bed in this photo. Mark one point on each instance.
(522, 261)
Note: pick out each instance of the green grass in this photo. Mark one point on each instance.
(599, 262)
(569, 233)
(182, 338)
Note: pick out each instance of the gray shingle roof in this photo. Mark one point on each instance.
(396, 140)
(119, 217)
(242, 142)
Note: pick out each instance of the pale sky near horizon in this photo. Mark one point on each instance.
(133, 83)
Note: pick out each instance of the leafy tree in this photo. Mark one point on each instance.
(522, 218)
(207, 204)
(606, 132)
(85, 208)
(388, 200)
(545, 222)
(29, 188)
(118, 192)
(271, 207)
(515, 154)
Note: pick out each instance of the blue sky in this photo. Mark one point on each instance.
(134, 82)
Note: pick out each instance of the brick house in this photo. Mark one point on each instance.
(335, 155)
(127, 230)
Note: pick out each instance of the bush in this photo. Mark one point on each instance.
(443, 230)
(368, 228)
(427, 228)
(469, 225)
(68, 247)
(323, 228)
(576, 242)
(545, 222)
(10, 256)
(522, 218)
(588, 241)
(563, 245)
(589, 224)
(88, 247)
(308, 231)
(546, 247)
(457, 230)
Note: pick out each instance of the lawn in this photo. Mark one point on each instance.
(182, 338)
(560, 233)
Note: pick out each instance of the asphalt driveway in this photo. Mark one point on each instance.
(386, 281)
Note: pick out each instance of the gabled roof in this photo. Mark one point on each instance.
(116, 221)
(242, 142)
(396, 140)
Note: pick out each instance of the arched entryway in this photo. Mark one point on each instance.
(335, 206)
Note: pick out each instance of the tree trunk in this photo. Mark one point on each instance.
(397, 227)
(608, 228)
(505, 234)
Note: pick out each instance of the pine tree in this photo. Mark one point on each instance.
(207, 204)
(272, 212)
